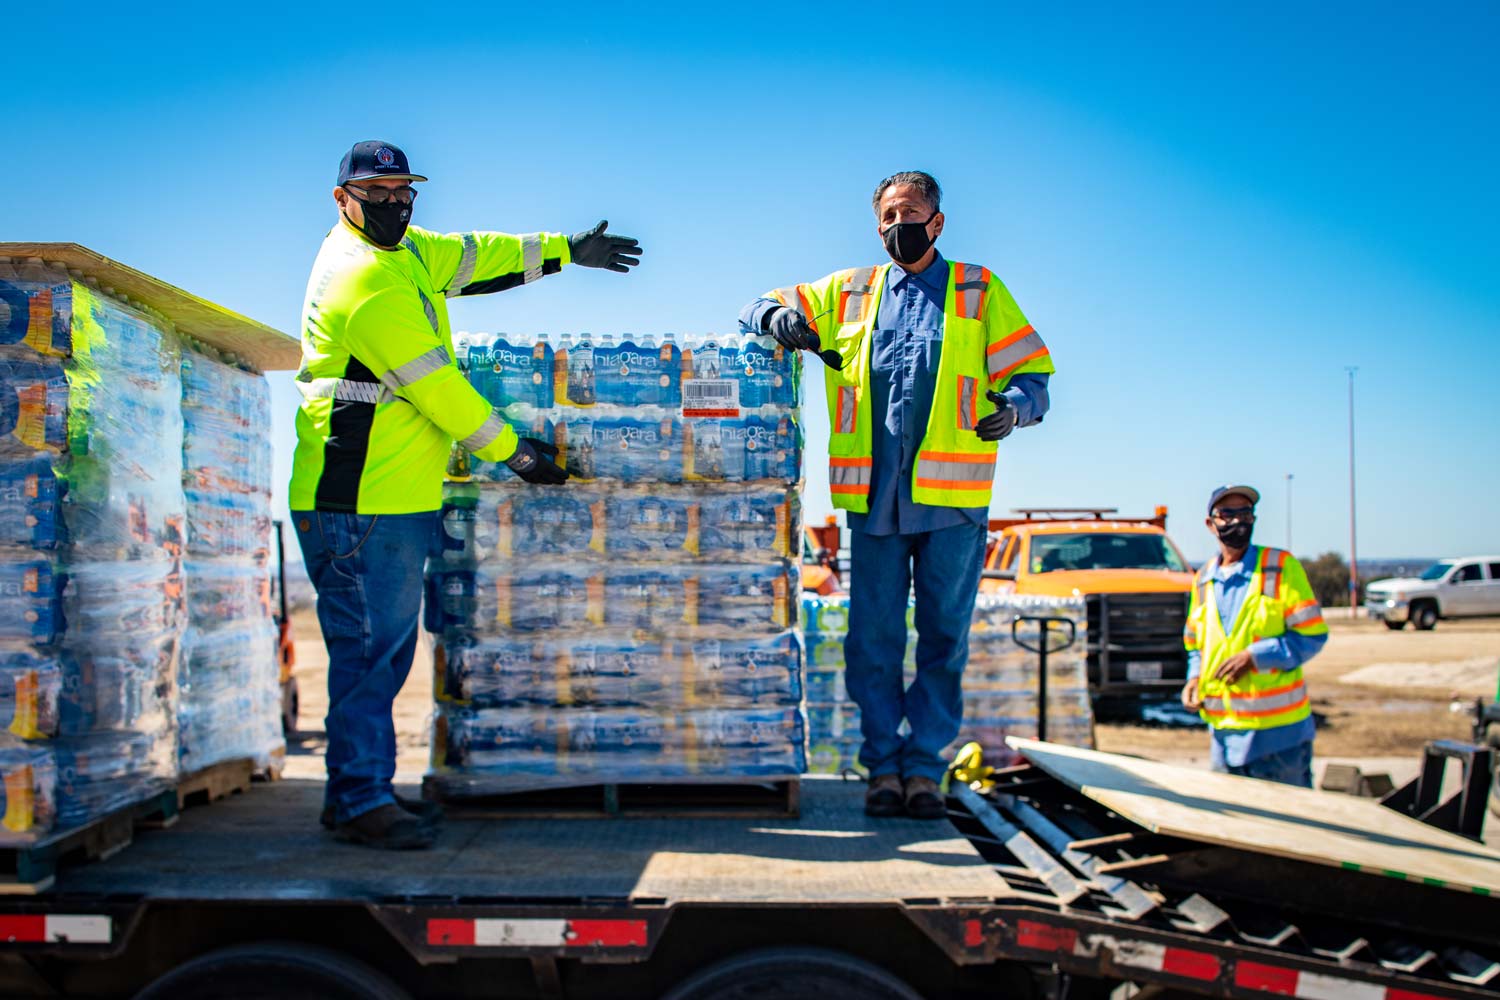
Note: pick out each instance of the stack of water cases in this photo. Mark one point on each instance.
(91, 543)
(637, 624)
(229, 702)
(1001, 681)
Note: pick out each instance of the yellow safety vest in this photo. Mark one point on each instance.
(1279, 598)
(986, 341)
(382, 398)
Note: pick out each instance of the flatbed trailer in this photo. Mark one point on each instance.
(1021, 895)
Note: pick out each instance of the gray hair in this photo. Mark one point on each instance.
(923, 182)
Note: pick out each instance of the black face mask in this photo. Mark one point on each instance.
(1236, 534)
(384, 224)
(907, 242)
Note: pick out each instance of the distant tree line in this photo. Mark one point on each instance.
(1329, 576)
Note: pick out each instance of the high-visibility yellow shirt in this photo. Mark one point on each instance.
(382, 398)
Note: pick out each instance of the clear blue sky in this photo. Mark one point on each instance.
(1207, 211)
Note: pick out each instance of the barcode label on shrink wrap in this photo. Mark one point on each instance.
(710, 397)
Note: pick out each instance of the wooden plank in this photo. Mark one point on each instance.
(1325, 828)
(262, 346)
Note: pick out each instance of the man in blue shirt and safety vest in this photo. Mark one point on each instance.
(1253, 621)
(927, 364)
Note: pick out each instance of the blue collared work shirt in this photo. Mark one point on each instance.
(906, 343)
(1287, 651)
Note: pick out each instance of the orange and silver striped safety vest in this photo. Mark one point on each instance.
(986, 342)
(1279, 599)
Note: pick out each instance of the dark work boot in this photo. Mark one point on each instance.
(430, 813)
(924, 800)
(883, 796)
(389, 827)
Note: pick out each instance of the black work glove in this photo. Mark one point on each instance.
(533, 463)
(791, 331)
(596, 248)
(996, 426)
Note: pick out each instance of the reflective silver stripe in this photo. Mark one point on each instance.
(968, 390)
(417, 368)
(969, 293)
(1306, 614)
(1245, 702)
(859, 286)
(407, 242)
(345, 390)
(846, 404)
(968, 472)
(1008, 357)
(1270, 573)
(849, 475)
(488, 432)
(466, 262)
(431, 312)
(531, 257)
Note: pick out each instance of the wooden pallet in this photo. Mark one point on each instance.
(717, 800)
(30, 869)
(226, 778)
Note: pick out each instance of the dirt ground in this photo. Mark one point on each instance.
(1381, 695)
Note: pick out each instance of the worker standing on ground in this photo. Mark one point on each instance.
(927, 364)
(382, 403)
(1252, 623)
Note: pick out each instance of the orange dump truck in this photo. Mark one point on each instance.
(1133, 579)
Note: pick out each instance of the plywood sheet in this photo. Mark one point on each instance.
(262, 346)
(1326, 828)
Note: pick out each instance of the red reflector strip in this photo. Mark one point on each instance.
(607, 933)
(454, 932)
(973, 934)
(1270, 978)
(1190, 964)
(488, 932)
(59, 928)
(1045, 937)
(23, 929)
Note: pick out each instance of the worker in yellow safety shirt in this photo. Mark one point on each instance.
(1252, 623)
(382, 403)
(928, 364)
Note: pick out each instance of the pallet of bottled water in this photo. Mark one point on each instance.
(91, 535)
(710, 409)
(639, 623)
(113, 500)
(1000, 687)
(229, 693)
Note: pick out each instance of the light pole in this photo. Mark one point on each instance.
(1353, 558)
(1289, 512)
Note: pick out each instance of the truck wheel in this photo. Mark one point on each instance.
(1424, 616)
(792, 974)
(1394, 626)
(273, 970)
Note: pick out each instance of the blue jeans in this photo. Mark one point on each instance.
(943, 566)
(1292, 766)
(367, 570)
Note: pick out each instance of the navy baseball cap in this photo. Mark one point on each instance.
(1224, 491)
(373, 158)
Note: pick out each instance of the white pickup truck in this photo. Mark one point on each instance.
(1452, 588)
